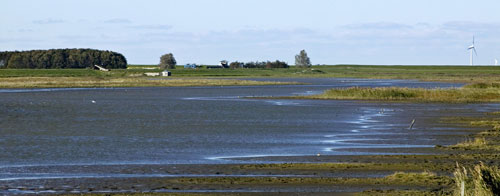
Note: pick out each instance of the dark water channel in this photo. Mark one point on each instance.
(199, 125)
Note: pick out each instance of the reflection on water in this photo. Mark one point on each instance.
(209, 124)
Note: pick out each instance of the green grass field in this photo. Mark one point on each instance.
(466, 74)
(428, 73)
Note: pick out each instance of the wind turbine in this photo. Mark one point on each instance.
(472, 48)
(496, 62)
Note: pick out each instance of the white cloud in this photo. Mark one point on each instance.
(151, 27)
(118, 21)
(377, 26)
(49, 21)
(363, 43)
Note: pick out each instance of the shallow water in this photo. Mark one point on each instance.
(193, 125)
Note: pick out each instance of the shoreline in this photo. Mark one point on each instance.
(85, 82)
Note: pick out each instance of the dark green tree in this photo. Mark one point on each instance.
(167, 61)
(62, 58)
(236, 65)
(276, 64)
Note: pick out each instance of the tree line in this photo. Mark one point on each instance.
(167, 61)
(61, 59)
(257, 64)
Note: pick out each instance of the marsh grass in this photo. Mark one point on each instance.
(483, 85)
(398, 178)
(393, 192)
(422, 178)
(90, 82)
(454, 95)
(336, 166)
(482, 180)
(475, 143)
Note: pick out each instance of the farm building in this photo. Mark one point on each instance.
(166, 73)
(224, 64)
(190, 66)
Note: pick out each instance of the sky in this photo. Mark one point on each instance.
(375, 32)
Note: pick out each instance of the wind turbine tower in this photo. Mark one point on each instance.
(496, 62)
(472, 49)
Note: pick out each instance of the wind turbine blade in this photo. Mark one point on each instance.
(473, 40)
(474, 51)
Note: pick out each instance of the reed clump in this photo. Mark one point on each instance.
(483, 85)
(482, 180)
(476, 143)
(407, 177)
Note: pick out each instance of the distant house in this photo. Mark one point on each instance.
(224, 64)
(190, 66)
(166, 73)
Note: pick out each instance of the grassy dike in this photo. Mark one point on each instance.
(134, 75)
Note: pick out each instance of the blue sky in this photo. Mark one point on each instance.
(407, 32)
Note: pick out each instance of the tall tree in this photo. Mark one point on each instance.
(302, 60)
(167, 61)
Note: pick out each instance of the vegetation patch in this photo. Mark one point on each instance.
(62, 58)
(407, 179)
(92, 82)
(483, 85)
(394, 192)
(337, 166)
(455, 95)
(482, 180)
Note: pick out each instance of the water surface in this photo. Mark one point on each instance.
(191, 125)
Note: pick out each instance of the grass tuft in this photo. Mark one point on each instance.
(412, 177)
(483, 180)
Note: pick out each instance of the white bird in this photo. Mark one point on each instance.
(472, 48)
(93, 101)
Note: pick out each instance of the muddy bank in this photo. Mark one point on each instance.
(251, 178)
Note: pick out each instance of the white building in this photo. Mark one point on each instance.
(165, 73)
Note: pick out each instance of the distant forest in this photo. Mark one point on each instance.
(61, 59)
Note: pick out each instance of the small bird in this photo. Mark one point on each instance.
(411, 125)
(93, 101)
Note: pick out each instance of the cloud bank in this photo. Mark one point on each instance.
(359, 43)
